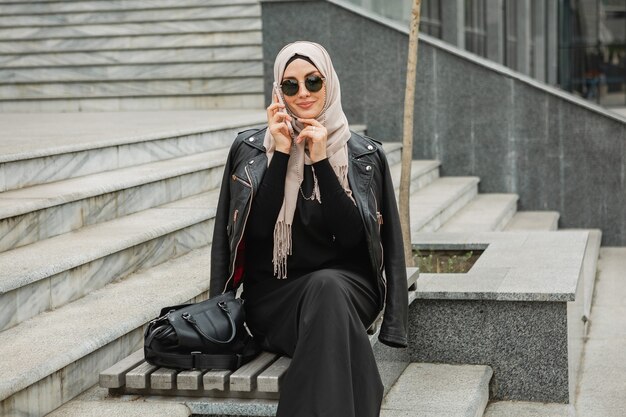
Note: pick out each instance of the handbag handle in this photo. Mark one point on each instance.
(222, 305)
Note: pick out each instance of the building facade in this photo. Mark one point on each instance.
(578, 45)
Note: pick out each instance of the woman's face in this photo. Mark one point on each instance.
(304, 104)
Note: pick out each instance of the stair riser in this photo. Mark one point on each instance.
(61, 386)
(130, 42)
(436, 222)
(155, 56)
(128, 29)
(420, 181)
(42, 224)
(60, 289)
(130, 89)
(239, 101)
(506, 218)
(27, 172)
(223, 71)
(56, 6)
(179, 13)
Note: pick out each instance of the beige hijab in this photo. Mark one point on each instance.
(336, 123)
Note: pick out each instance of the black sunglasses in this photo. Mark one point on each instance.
(313, 83)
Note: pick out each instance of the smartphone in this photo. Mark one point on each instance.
(279, 94)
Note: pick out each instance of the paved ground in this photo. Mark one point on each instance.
(602, 388)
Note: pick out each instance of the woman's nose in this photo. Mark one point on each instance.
(302, 91)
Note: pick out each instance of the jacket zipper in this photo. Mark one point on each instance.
(236, 178)
(245, 220)
(379, 219)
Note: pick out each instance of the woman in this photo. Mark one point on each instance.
(307, 220)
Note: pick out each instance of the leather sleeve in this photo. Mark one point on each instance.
(395, 319)
(220, 250)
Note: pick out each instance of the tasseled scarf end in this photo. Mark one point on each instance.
(282, 248)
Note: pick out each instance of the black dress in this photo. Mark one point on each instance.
(318, 315)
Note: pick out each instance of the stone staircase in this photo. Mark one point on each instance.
(90, 55)
(87, 260)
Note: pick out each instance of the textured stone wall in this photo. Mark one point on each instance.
(556, 151)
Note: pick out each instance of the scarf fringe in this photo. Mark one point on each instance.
(282, 248)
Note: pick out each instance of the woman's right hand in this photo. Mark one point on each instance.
(277, 119)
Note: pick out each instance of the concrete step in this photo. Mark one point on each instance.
(76, 342)
(132, 42)
(249, 85)
(423, 172)
(528, 409)
(174, 13)
(434, 204)
(533, 220)
(486, 212)
(51, 273)
(127, 57)
(157, 73)
(128, 104)
(39, 212)
(60, 6)
(232, 24)
(439, 390)
(48, 147)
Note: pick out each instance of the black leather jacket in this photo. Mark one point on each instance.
(370, 181)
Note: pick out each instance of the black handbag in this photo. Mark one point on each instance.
(206, 335)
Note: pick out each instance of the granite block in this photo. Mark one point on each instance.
(391, 363)
(524, 342)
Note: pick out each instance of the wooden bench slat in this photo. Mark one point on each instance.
(216, 380)
(139, 376)
(115, 376)
(269, 380)
(244, 378)
(189, 380)
(163, 378)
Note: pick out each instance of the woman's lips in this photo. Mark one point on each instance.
(306, 104)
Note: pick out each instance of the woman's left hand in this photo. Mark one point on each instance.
(316, 137)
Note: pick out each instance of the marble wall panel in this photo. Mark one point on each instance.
(144, 152)
(61, 386)
(122, 89)
(32, 299)
(18, 231)
(132, 200)
(194, 237)
(79, 31)
(61, 219)
(200, 181)
(8, 309)
(100, 208)
(58, 167)
(243, 101)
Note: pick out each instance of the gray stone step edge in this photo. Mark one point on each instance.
(589, 271)
(466, 391)
(48, 6)
(152, 56)
(45, 79)
(543, 220)
(529, 409)
(18, 275)
(146, 103)
(453, 202)
(507, 207)
(247, 120)
(170, 14)
(59, 163)
(231, 24)
(129, 43)
(74, 268)
(98, 184)
(88, 313)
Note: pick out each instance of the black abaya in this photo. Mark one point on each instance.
(318, 315)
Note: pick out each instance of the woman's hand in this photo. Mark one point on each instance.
(277, 119)
(316, 137)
